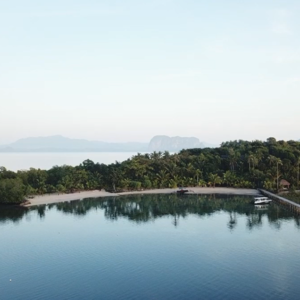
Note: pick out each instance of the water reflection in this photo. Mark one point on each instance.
(145, 208)
(232, 220)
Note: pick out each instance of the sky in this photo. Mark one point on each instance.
(126, 70)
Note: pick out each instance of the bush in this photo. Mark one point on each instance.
(11, 191)
(147, 184)
(135, 185)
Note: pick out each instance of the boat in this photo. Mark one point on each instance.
(262, 200)
(182, 191)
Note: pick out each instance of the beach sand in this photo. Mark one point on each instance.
(56, 198)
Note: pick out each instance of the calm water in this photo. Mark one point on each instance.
(150, 247)
(24, 161)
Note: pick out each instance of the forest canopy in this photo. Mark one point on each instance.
(244, 164)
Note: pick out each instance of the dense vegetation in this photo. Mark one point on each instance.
(233, 164)
(293, 196)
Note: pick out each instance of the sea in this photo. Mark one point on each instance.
(150, 247)
(42, 160)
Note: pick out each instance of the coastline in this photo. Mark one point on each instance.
(57, 198)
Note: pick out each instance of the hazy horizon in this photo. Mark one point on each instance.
(145, 142)
(127, 71)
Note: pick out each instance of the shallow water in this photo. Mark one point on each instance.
(150, 247)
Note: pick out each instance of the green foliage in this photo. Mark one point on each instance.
(214, 179)
(202, 183)
(135, 185)
(147, 183)
(244, 164)
(11, 191)
(294, 196)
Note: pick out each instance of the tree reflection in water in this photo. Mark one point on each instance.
(145, 208)
(232, 220)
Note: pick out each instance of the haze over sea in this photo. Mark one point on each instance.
(24, 161)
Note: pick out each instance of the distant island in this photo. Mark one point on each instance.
(173, 144)
(58, 143)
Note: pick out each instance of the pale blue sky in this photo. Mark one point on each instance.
(128, 70)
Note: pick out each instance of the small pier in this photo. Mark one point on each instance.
(292, 206)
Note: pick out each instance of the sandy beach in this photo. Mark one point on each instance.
(56, 198)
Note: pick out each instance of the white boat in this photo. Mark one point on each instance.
(262, 200)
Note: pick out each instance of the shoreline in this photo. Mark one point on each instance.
(57, 198)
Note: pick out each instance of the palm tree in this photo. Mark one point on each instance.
(202, 183)
(275, 160)
(252, 159)
(172, 169)
(115, 176)
(162, 178)
(156, 155)
(198, 173)
(229, 178)
(166, 155)
(190, 169)
(214, 179)
(298, 170)
(233, 158)
(174, 181)
(176, 158)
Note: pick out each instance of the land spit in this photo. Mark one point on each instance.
(56, 198)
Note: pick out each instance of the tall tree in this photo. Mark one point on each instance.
(277, 161)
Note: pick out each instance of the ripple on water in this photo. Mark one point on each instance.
(65, 257)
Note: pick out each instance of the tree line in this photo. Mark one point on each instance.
(243, 164)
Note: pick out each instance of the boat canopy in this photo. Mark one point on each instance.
(261, 198)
